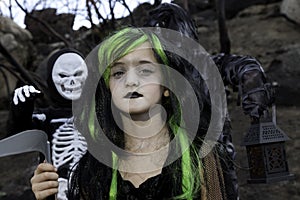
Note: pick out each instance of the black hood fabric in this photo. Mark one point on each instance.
(56, 99)
(172, 16)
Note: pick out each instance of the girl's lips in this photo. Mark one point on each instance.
(132, 95)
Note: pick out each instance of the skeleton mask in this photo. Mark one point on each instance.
(69, 74)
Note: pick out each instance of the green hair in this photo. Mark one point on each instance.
(111, 50)
(122, 43)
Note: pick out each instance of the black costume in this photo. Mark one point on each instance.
(56, 120)
(92, 179)
(243, 73)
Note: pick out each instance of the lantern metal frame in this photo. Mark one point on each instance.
(265, 144)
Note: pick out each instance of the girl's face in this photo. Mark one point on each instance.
(135, 81)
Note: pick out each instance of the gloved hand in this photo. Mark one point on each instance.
(257, 100)
(25, 93)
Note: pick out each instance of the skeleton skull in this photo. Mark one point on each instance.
(69, 74)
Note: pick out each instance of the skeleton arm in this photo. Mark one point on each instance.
(246, 74)
(22, 107)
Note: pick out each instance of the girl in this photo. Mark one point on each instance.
(152, 151)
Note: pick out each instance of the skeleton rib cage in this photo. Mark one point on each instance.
(68, 145)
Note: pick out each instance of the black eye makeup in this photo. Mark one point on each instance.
(143, 68)
(117, 71)
(146, 69)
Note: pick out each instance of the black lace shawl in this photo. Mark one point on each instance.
(91, 180)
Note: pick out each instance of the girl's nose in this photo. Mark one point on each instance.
(132, 78)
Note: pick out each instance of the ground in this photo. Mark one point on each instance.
(16, 171)
(288, 121)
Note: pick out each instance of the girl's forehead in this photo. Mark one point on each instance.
(145, 45)
(142, 52)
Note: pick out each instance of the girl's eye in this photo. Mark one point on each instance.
(146, 69)
(117, 74)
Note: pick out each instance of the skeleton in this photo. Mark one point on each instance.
(67, 73)
(68, 146)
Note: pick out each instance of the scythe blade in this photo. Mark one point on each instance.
(26, 141)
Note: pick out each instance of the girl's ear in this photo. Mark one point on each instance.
(166, 93)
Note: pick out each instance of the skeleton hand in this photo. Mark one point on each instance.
(22, 94)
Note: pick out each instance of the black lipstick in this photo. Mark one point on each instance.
(132, 95)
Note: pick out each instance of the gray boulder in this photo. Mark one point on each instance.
(285, 71)
(17, 42)
(291, 9)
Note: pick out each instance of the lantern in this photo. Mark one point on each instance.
(266, 152)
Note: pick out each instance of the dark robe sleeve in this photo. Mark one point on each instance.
(20, 117)
(245, 74)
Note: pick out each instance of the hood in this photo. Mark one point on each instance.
(56, 99)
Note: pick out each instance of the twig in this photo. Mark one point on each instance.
(45, 24)
(130, 13)
(6, 82)
(224, 37)
(24, 73)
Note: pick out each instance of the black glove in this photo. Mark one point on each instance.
(22, 106)
(257, 100)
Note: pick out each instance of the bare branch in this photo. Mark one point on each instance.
(13, 72)
(10, 10)
(6, 81)
(130, 13)
(186, 5)
(157, 3)
(223, 32)
(24, 73)
(37, 4)
(111, 8)
(46, 25)
(76, 8)
(97, 12)
(89, 13)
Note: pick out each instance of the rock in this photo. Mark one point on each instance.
(15, 39)
(260, 31)
(16, 172)
(17, 42)
(233, 7)
(9, 26)
(283, 71)
(291, 9)
(9, 41)
(3, 120)
(61, 23)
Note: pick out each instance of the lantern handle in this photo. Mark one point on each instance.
(274, 114)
